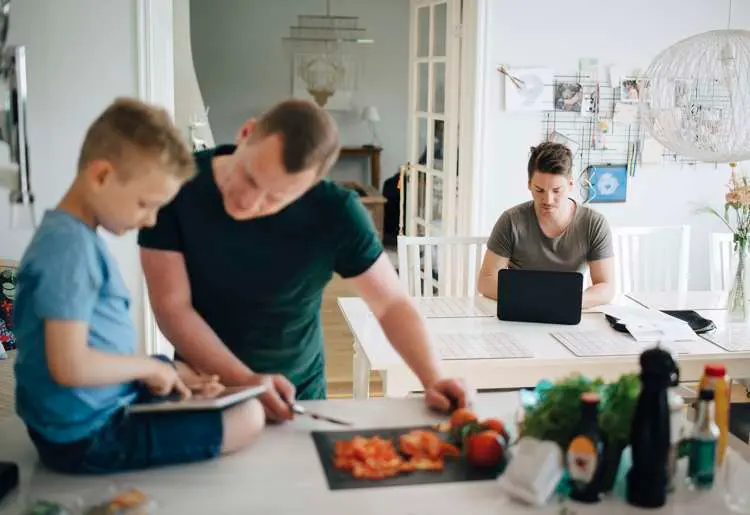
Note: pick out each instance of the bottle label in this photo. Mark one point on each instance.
(582, 459)
(702, 462)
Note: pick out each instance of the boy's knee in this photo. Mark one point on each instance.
(243, 424)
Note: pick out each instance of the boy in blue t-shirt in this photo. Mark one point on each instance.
(76, 368)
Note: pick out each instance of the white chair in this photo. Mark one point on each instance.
(721, 253)
(445, 266)
(652, 258)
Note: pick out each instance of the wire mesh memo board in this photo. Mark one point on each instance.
(597, 120)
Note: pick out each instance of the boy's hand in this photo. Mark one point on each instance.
(163, 379)
(202, 385)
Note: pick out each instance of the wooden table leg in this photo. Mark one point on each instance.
(361, 373)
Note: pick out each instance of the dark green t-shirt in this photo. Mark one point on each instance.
(259, 283)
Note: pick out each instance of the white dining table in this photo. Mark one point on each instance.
(281, 474)
(550, 360)
(688, 300)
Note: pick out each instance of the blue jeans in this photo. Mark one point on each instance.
(135, 441)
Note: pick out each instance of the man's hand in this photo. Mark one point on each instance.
(202, 385)
(448, 394)
(163, 379)
(278, 398)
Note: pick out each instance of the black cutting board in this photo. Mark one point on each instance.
(455, 470)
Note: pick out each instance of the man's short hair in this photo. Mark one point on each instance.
(309, 134)
(551, 157)
(129, 130)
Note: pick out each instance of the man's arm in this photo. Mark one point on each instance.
(491, 264)
(171, 300)
(602, 289)
(73, 363)
(401, 322)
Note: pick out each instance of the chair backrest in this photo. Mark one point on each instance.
(430, 266)
(721, 255)
(652, 258)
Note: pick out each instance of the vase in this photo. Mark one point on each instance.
(737, 307)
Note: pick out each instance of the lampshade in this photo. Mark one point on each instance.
(370, 114)
(695, 98)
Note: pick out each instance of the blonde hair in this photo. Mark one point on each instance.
(130, 130)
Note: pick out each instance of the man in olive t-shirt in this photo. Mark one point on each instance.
(552, 231)
(236, 264)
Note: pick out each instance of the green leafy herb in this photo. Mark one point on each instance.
(616, 414)
(558, 412)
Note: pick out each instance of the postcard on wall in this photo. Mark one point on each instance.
(526, 89)
(568, 97)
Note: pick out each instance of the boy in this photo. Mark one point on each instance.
(76, 369)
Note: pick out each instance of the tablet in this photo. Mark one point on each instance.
(232, 395)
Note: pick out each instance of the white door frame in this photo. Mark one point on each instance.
(473, 75)
(155, 85)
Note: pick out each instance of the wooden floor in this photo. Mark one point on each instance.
(338, 344)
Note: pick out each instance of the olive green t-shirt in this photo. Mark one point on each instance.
(259, 283)
(518, 237)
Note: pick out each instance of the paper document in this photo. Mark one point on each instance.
(650, 325)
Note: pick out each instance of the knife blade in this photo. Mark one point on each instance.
(300, 410)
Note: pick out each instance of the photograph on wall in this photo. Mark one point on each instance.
(569, 142)
(527, 89)
(607, 183)
(629, 90)
(590, 106)
(329, 81)
(568, 97)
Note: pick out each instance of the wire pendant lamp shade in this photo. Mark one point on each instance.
(321, 48)
(695, 97)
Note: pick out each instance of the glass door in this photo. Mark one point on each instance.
(430, 175)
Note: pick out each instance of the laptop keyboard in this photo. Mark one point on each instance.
(453, 346)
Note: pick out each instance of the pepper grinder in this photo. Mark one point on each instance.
(647, 480)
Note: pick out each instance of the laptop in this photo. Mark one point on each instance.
(538, 296)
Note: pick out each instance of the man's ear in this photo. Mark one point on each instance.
(245, 131)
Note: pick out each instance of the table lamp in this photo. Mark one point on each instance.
(370, 115)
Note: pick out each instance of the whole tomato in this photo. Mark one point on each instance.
(485, 449)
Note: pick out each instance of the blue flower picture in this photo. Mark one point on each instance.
(607, 183)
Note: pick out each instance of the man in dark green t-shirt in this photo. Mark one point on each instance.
(236, 264)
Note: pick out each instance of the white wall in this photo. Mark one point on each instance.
(188, 101)
(81, 54)
(629, 34)
(242, 68)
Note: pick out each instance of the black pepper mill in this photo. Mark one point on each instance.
(649, 434)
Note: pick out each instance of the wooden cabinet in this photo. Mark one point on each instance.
(373, 201)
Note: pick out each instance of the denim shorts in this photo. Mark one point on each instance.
(135, 441)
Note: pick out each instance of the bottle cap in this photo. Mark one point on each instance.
(715, 370)
(590, 397)
(706, 395)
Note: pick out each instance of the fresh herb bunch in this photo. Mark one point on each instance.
(558, 411)
(556, 415)
(618, 406)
